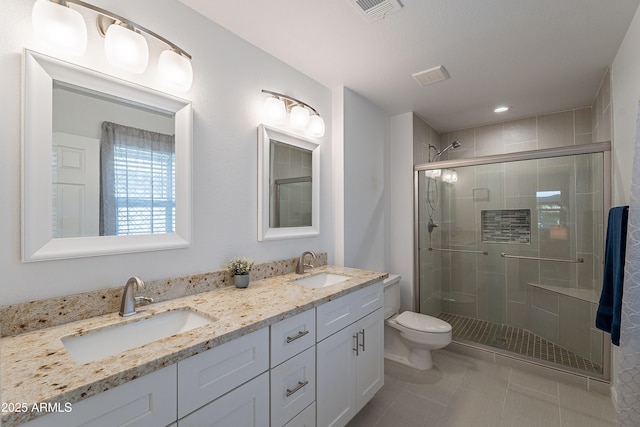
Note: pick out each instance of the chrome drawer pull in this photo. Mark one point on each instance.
(362, 345)
(300, 335)
(296, 388)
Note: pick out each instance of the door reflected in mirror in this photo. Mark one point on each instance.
(113, 165)
(288, 185)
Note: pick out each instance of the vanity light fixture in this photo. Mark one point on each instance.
(126, 49)
(302, 116)
(56, 23)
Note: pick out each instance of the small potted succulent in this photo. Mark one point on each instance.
(240, 268)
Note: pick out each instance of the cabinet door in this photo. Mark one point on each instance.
(147, 401)
(336, 378)
(370, 360)
(246, 406)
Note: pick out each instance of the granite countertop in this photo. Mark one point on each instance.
(36, 368)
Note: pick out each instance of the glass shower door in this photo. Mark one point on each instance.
(511, 255)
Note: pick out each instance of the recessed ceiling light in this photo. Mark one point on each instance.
(501, 109)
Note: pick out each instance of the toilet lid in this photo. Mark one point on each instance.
(423, 323)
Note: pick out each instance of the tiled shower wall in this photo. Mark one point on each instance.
(295, 199)
(476, 285)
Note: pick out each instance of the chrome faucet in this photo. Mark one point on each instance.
(129, 300)
(301, 265)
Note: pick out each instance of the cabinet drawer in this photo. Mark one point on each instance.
(306, 418)
(206, 376)
(147, 401)
(369, 299)
(341, 312)
(246, 406)
(293, 387)
(291, 336)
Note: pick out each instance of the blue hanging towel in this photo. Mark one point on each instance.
(610, 307)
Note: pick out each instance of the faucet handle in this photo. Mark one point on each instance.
(141, 299)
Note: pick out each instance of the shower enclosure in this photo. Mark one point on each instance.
(509, 251)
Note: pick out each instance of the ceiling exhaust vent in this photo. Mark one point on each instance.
(432, 75)
(374, 10)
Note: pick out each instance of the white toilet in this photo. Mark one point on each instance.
(409, 337)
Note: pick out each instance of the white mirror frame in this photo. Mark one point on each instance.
(37, 242)
(265, 135)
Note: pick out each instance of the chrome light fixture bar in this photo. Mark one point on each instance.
(125, 47)
(300, 118)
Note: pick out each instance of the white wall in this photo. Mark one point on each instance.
(366, 194)
(228, 77)
(401, 257)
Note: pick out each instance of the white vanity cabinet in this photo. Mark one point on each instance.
(319, 367)
(350, 361)
(146, 401)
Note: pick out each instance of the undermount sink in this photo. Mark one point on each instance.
(99, 343)
(321, 280)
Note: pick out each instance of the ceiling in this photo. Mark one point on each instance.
(537, 56)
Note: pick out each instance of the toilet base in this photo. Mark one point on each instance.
(418, 359)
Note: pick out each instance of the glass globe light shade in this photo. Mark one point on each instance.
(175, 70)
(433, 173)
(299, 118)
(316, 125)
(59, 27)
(126, 49)
(275, 111)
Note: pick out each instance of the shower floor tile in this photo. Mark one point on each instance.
(516, 340)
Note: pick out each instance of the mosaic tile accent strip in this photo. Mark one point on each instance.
(516, 340)
(506, 226)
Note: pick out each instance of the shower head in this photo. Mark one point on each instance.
(455, 144)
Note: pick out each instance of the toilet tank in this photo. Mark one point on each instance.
(391, 295)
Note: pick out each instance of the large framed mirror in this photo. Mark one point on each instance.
(288, 185)
(106, 164)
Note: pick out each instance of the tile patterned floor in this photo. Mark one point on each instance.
(461, 391)
(516, 340)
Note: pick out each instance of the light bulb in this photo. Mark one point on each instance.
(175, 70)
(126, 49)
(299, 118)
(316, 126)
(59, 27)
(275, 111)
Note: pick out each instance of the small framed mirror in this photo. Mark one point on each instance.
(106, 164)
(288, 185)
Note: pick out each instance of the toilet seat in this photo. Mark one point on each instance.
(423, 323)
